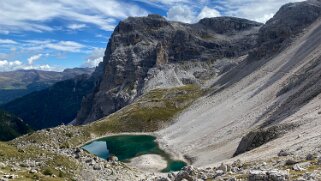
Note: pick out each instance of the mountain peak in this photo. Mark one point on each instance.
(140, 44)
(228, 24)
(151, 21)
(286, 24)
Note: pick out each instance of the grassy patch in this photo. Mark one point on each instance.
(8, 151)
(60, 166)
(49, 168)
(206, 36)
(151, 112)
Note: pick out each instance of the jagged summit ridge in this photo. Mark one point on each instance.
(285, 25)
(142, 43)
(226, 25)
(139, 44)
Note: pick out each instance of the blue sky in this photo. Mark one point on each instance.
(58, 34)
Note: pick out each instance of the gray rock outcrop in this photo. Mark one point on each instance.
(139, 44)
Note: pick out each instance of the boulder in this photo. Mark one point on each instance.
(310, 157)
(24, 165)
(78, 150)
(257, 175)
(273, 175)
(291, 162)
(262, 136)
(2, 165)
(113, 158)
(319, 161)
(278, 175)
(301, 166)
(223, 167)
(238, 163)
(190, 170)
(97, 166)
(310, 176)
(297, 167)
(33, 171)
(161, 179)
(283, 153)
(219, 173)
(183, 175)
(10, 176)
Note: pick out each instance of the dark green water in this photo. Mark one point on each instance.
(126, 147)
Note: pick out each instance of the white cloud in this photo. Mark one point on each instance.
(207, 12)
(17, 15)
(76, 26)
(45, 67)
(181, 13)
(34, 58)
(186, 14)
(67, 46)
(95, 58)
(64, 46)
(6, 65)
(190, 11)
(7, 41)
(257, 10)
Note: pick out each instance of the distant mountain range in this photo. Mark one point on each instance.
(15, 84)
(54, 105)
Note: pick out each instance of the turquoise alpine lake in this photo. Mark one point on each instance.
(126, 147)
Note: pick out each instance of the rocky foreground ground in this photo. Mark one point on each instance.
(54, 160)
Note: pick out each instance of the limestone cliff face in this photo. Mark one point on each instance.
(286, 25)
(140, 44)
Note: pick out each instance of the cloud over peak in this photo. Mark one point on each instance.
(186, 14)
(95, 57)
(76, 31)
(34, 58)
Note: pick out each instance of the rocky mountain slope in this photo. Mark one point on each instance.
(271, 99)
(254, 76)
(18, 83)
(150, 52)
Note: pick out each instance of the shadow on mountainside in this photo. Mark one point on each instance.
(300, 88)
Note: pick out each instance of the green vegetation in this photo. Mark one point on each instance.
(150, 113)
(11, 126)
(7, 151)
(48, 168)
(207, 36)
(58, 161)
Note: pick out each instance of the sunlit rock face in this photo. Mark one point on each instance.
(140, 45)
